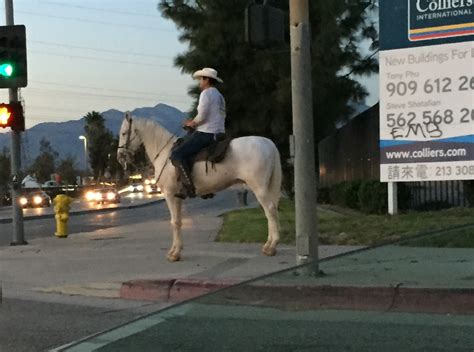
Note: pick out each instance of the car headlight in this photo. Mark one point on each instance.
(37, 200)
(90, 196)
(147, 182)
(130, 189)
(23, 201)
(153, 182)
(149, 189)
(140, 188)
(110, 196)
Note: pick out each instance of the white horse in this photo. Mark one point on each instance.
(253, 160)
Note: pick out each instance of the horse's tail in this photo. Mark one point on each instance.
(274, 183)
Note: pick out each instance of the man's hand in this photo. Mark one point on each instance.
(190, 123)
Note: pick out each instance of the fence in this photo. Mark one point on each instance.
(352, 152)
(442, 192)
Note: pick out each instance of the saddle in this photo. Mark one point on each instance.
(214, 153)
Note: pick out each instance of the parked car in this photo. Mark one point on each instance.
(35, 199)
(103, 195)
(50, 184)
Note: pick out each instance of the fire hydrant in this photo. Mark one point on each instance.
(61, 209)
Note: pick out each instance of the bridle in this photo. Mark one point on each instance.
(128, 140)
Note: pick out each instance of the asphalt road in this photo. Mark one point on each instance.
(275, 335)
(96, 221)
(28, 325)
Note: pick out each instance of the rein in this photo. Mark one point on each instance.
(166, 162)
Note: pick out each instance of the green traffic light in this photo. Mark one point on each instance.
(6, 70)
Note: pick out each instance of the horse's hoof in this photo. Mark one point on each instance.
(269, 251)
(174, 257)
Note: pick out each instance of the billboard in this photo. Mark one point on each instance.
(426, 90)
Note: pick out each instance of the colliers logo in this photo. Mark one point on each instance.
(435, 19)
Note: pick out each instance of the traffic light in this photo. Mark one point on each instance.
(265, 26)
(11, 115)
(13, 70)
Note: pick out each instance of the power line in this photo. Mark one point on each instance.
(100, 50)
(92, 21)
(101, 10)
(108, 89)
(49, 108)
(90, 95)
(98, 59)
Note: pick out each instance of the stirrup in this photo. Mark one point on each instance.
(186, 192)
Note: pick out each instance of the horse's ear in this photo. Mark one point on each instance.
(128, 116)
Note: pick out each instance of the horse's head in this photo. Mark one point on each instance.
(129, 141)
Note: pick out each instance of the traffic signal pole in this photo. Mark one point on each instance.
(15, 155)
(304, 164)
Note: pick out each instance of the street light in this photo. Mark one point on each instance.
(84, 138)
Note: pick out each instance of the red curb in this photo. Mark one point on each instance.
(299, 297)
(185, 289)
(147, 290)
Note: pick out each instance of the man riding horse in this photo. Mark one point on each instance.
(206, 126)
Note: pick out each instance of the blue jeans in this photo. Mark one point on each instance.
(192, 144)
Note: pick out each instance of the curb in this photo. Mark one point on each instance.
(172, 290)
(304, 297)
(83, 212)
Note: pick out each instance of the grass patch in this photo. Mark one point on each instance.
(350, 228)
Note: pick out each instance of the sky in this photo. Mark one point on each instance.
(96, 55)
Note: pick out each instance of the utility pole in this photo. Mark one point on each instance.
(18, 228)
(305, 171)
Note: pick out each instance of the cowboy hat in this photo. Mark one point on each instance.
(207, 72)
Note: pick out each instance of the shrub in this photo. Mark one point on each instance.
(373, 197)
(324, 195)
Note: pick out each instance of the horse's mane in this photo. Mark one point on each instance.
(150, 125)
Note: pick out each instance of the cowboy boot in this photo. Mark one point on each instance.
(187, 186)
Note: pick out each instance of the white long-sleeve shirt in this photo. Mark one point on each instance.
(211, 111)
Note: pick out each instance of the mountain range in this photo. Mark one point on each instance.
(64, 136)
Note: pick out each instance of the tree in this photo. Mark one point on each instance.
(257, 84)
(44, 165)
(67, 170)
(100, 143)
(4, 169)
